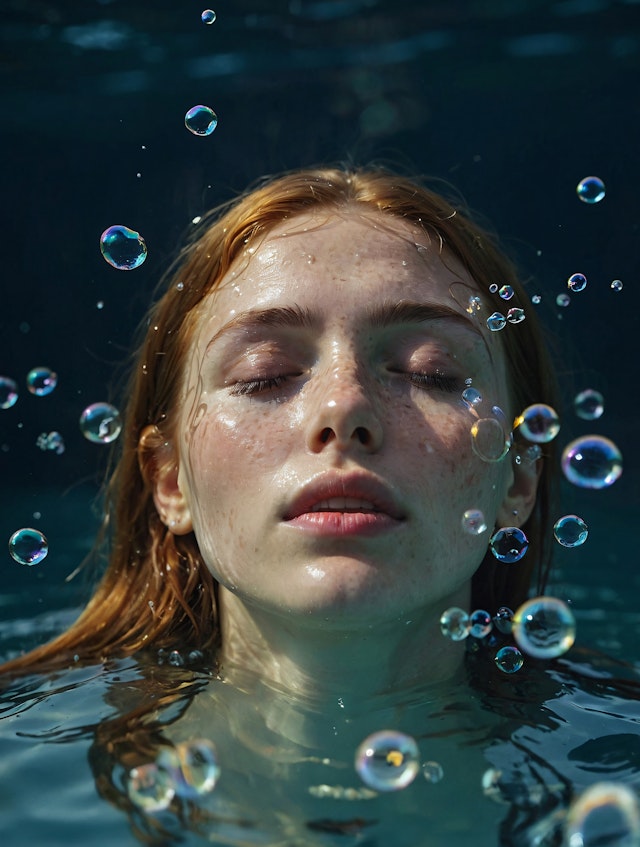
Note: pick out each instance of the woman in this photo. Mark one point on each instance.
(296, 456)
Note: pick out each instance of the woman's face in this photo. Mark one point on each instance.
(324, 449)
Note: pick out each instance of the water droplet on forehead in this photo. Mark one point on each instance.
(577, 282)
(591, 189)
(28, 546)
(509, 544)
(544, 627)
(589, 404)
(570, 531)
(387, 760)
(41, 381)
(101, 423)
(123, 248)
(201, 120)
(8, 392)
(592, 461)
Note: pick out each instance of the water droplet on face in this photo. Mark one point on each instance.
(123, 248)
(616, 285)
(481, 623)
(591, 189)
(41, 381)
(51, 441)
(509, 659)
(455, 623)
(28, 546)
(538, 423)
(8, 392)
(201, 120)
(489, 440)
(387, 760)
(473, 522)
(589, 405)
(563, 300)
(496, 322)
(544, 627)
(471, 397)
(150, 788)
(515, 315)
(577, 282)
(208, 16)
(101, 423)
(503, 620)
(506, 292)
(509, 544)
(570, 531)
(592, 461)
(433, 772)
(605, 813)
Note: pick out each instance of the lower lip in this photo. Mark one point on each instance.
(344, 523)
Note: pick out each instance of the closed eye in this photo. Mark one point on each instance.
(435, 381)
(256, 386)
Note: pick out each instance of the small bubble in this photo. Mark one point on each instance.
(503, 620)
(589, 405)
(563, 300)
(538, 423)
(515, 315)
(52, 441)
(481, 623)
(387, 760)
(509, 659)
(616, 285)
(591, 189)
(473, 522)
(493, 288)
(432, 772)
(591, 461)
(123, 248)
(28, 546)
(150, 788)
(605, 813)
(175, 659)
(471, 397)
(536, 299)
(455, 624)
(496, 322)
(100, 304)
(570, 531)
(208, 16)
(509, 544)
(544, 627)
(201, 120)
(8, 392)
(101, 423)
(41, 381)
(577, 282)
(506, 292)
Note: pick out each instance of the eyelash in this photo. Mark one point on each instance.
(255, 386)
(436, 381)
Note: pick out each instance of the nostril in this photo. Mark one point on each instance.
(363, 435)
(325, 435)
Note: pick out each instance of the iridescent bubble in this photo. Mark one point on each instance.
(563, 300)
(471, 397)
(8, 392)
(617, 285)
(503, 620)
(589, 404)
(432, 771)
(509, 544)
(123, 248)
(606, 813)
(496, 322)
(51, 441)
(208, 16)
(201, 120)
(473, 522)
(489, 440)
(101, 423)
(591, 461)
(28, 546)
(506, 292)
(474, 305)
(387, 760)
(570, 531)
(41, 381)
(538, 423)
(577, 282)
(544, 627)
(192, 766)
(591, 189)
(493, 287)
(481, 623)
(536, 299)
(455, 623)
(515, 315)
(509, 659)
(150, 787)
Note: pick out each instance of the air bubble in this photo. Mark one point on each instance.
(473, 522)
(432, 772)
(538, 423)
(617, 285)
(606, 813)
(201, 120)
(150, 788)
(481, 623)
(41, 381)
(509, 544)
(563, 300)
(101, 423)
(493, 288)
(570, 531)
(28, 546)
(471, 397)
(506, 292)
(474, 304)
(591, 190)
(123, 248)
(536, 299)
(496, 322)
(8, 392)
(589, 405)
(387, 760)
(208, 16)
(192, 766)
(455, 623)
(577, 282)
(544, 627)
(515, 315)
(489, 440)
(503, 620)
(592, 461)
(51, 441)
(509, 659)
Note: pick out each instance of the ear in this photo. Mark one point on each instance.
(159, 466)
(520, 498)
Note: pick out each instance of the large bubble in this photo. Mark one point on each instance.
(28, 546)
(193, 766)
(544, 627)
(570, 531)
(606, 813)
(592, 461)
(387, 760)
(101, 423)
(509, 544)
(41, 381)
(538, 423)
(201, 120)
(123, 248)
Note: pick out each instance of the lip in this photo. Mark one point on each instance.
(380, 510)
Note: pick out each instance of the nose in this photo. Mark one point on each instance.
(343, 415)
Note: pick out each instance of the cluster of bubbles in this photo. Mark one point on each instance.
(52, 442)
(604, 813)
(497, 321)
(123, 248)
(189, 770)
(177, 659)
(390, 760)
(201, 120)
(101, 423)
(28, 546)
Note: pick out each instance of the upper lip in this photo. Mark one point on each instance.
(363, 487)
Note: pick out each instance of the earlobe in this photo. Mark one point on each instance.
(160, 469)
(521, 495)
